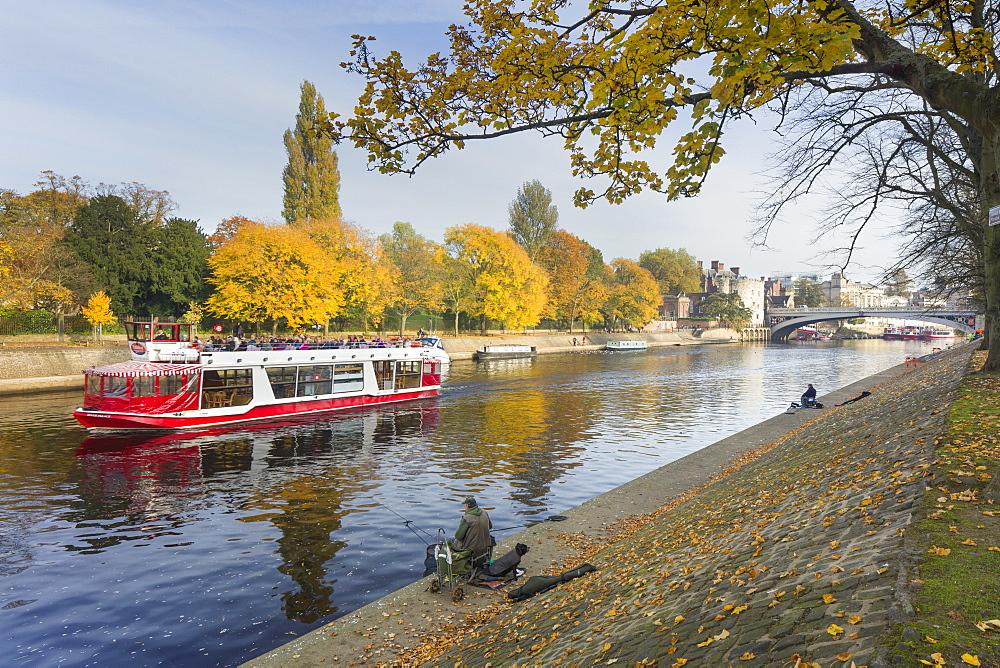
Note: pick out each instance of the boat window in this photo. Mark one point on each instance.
(93, 385)
(115, 386)
(349, 377)
(227, 387)
(182, 384)
(282, 379)
(314, 380)
(407, 374)
(383, 374)
(144, 386)
(138, 331)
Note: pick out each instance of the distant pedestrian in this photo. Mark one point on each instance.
(574, 341)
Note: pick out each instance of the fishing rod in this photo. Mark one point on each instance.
(407, 523)
(551, 518)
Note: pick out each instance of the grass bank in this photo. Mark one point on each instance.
(955, 582)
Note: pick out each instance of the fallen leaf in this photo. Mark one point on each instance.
(834, 630)
(971, 659)
(854, 619)
(930, 640)
(746, 656)
(844, 656)
(830, 598)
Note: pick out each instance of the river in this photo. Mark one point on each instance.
(211, 548)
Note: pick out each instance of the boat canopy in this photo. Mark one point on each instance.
(135, 369)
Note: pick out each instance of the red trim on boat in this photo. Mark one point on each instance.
(105, 420)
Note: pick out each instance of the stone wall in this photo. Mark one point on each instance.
(29, 369)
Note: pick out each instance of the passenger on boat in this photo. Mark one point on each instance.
(160, 335)
(809, 397)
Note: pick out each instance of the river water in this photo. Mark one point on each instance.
(211, 548)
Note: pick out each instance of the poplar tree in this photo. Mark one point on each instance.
(312, 180)
(533, 217)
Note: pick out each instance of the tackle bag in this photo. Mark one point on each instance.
(536, 584)
(507, 563)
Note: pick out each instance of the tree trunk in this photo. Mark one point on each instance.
(402, 322)
(990, 197)
(456, 322)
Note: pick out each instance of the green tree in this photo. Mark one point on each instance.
(675, 270)
(418, 275)
(727, 308)
(108, 235)
(311, 177)
(533, 217)
(898, 284)
(618, 73)
(808, 293)
(147, 266)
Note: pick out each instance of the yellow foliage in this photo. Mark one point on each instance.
(98, 309)
(275, 272)
(501, 280)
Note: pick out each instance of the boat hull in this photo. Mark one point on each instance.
(113, 421)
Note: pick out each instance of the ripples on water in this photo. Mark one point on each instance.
(211, 548)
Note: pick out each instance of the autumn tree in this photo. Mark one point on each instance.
(274, 272)
(418, 276)
(533, 217)
(367, 278)
(311, 177)
(576, 278)
(98, 312)
(634, 295)
(495, 275)
(727, 308)
(675, 270)
(612, 78)
(36, 269)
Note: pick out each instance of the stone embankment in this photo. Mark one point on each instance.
(783, 543)
(43, 368)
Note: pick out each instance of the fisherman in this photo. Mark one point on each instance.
(809, 397)
(473, 532)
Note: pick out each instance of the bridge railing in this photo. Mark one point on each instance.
(872, 309)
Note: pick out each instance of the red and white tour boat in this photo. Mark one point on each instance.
(938, 334)
(172, 382)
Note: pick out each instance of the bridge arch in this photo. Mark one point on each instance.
(786, 321)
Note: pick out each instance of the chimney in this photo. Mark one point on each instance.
(722, 267)
(736, 270)
(715, 265)
(700, 267)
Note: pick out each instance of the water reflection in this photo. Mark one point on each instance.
(209, 548)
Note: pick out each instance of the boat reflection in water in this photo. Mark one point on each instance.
(301, 477)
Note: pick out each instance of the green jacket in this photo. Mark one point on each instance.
(473, 532)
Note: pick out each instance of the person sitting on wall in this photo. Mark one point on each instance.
(809, 397)
(472, 535)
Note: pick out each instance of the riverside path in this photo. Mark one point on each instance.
(797, 555)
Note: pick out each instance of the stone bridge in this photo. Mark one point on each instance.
(784, 321)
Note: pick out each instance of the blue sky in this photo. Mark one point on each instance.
(193, 97)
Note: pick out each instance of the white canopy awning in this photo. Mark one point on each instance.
(134, 369)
